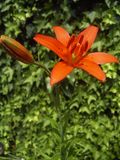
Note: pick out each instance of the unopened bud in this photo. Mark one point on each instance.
(16, 50)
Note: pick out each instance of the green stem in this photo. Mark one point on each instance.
(42, 66)
(57, 103)
(5, 158)
(9, 158)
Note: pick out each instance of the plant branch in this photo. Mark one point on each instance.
(42, 66)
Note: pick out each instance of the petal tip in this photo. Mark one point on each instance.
(54, 27)
(35, 37)
(103, 77)
(94, 27)
(103, 80)
(117, 60)
(51, 83)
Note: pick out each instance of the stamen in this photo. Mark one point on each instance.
(82, 49)
(77, 49)
(80, 39)
(72, 47)
(73, 56)
(71, 40)
(85, 46)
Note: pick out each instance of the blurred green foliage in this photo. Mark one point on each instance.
(28, 119)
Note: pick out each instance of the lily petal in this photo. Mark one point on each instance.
(59, 72)
(62, 35)
(52, 44)
(101, 58)
(92, 68)
(88, 35)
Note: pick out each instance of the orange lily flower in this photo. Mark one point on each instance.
(16, 50)
(73, 52)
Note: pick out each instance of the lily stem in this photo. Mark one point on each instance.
(42, 66)
(58, 106)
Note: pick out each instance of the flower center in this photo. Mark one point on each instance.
(73, 57)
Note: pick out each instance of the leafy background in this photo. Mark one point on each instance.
(28, 119)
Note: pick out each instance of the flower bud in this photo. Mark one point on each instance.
(16, 50)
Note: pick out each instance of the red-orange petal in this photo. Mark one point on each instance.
(59, 72)
(92, 68)
(101, 58)
(52, 44)
(61, 34)
(89, 35)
